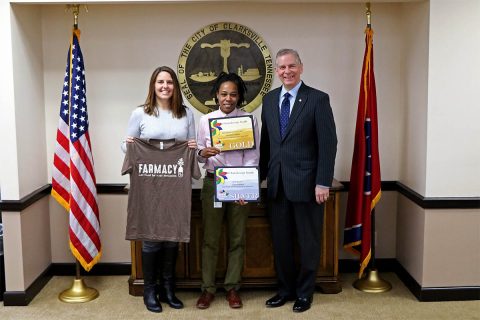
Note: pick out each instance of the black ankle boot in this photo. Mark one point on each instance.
(149, 293)
(167, 293)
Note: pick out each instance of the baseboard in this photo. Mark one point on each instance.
(423, 294)
(352, 265)
(100, 269)
(430, 294)
(23, 298)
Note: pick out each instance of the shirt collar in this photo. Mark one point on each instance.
(231, 114)
(293, 92)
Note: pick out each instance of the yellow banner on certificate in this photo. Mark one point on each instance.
(232, 133)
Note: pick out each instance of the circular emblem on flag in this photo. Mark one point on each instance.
(227, 47)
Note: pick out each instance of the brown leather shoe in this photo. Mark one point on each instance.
(205, 299)
(234, 300)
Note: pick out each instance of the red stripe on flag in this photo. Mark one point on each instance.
(85, 191)
(85, 223)
(79, 247)
(62, 140)
(87, 136)
(61, 166)
(85, 157)
(60, 190)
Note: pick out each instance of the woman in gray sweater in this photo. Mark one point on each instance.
(162, 116)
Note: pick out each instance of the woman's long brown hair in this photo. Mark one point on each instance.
(176, 102)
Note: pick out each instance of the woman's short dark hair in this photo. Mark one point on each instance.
(230, 77)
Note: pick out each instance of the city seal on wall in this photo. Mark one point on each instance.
(227, 47)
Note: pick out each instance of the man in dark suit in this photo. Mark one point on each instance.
(297, 156)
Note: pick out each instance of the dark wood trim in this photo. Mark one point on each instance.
(22, 204)
(111, 188)
(23, 298)
(429, 294)
(450, 294)
(383, 265)
(439, 202)
(119, 188)
(100, 269)
(386, 185)
(427, 202)
(25, 202)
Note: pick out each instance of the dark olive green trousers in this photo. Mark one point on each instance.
(236, 220)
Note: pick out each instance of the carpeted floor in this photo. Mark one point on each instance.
(114, 302)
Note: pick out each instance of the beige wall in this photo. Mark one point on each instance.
(26, 245)
(414, 131)
(332, 62)
(438, 247)
(29, 98)
(8, 157)
(421, 89)
(22, 121)
(119, 63)
(385, 226)
(451, 256)
(440, 156)
(453, 151)
(411, 237)
(113, 218)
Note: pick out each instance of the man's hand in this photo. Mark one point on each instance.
(321, 194)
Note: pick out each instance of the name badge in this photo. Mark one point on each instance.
(216, 204)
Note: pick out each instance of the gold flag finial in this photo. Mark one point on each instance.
(75, 9)
(369, 14)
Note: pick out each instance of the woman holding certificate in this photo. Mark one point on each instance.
(229, 93)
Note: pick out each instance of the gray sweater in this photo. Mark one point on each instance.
(163, 126)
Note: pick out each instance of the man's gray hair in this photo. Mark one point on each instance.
(283, 52)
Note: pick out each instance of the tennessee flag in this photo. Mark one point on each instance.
(73, 177)
(365, 183)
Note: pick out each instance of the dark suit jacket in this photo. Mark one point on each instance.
(305, 157)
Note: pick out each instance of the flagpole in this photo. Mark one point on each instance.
(79, 291)
(372, 282)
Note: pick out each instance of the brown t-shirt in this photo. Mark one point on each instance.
(159, 199)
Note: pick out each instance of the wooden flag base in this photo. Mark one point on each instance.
(372, 283)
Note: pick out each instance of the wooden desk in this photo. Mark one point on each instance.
(258, 269)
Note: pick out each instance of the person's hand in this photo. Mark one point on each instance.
(321, 194)
(129, 139)
(209, 152)
(192, 144)
(241, 202)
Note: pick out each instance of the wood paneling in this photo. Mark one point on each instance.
(259, 268)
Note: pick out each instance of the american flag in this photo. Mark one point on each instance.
(73, 177)
(365, 182)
